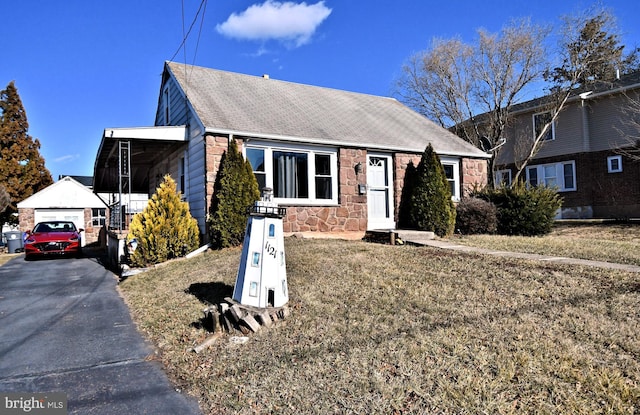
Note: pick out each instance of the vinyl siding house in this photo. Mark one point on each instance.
(335, 159)
(583, 153)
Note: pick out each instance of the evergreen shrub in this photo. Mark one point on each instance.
(476, 216)
(404, 210)
(165, 229)
(431, 207)
(524, 210)
(235, 189)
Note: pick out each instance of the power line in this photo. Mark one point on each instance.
(186, 36)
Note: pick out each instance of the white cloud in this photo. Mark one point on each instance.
(67, 158)
(293, 23)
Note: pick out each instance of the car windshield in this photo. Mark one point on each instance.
(55, 227)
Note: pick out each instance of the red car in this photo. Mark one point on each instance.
(53, 238)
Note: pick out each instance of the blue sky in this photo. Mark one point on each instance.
(82, 66)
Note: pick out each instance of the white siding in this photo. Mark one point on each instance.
(177, 105)
(606, 125)
(196, 182)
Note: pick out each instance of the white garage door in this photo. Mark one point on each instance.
(74, 215)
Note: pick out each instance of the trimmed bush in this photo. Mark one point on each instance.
(404, 210)
(165, 229)
(474, 216)
(235, 189)
(431, 207)
(524, 210)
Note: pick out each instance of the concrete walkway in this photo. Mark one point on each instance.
(428, 239)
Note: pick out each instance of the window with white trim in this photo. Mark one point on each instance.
(614, 164)
(297, 174)
(540, 120)
(502, 178)
(559, 175)
(452, 172)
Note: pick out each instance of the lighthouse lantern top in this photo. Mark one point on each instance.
(266, 206)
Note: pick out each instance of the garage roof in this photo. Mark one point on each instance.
(63, 194)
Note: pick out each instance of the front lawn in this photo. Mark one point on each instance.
(600, 242)
(398, 329)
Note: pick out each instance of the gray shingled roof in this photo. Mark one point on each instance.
(261, 107)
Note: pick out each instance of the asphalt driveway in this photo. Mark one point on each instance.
(64, 328)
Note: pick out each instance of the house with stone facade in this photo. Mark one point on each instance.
(335, 159)
(585, 153)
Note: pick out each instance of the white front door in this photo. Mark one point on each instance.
(380, 192)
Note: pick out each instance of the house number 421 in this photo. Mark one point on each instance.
(270, 249)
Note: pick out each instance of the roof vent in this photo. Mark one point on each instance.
(265, 76)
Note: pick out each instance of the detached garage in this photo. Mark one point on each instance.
(66, 199)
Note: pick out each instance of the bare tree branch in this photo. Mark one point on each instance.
(630, 127)
(452, 81)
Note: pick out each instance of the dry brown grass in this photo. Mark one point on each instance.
(387, 329)
(600, 242)
(5, 257)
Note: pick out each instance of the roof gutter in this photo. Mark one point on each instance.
(337, 143)
(584, 96)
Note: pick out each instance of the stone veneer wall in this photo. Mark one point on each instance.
(215, 146)
(26, 219)
(91, 233)
(473, 173)
(400, 163)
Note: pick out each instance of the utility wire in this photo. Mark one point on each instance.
(185, 36)
(204, 12)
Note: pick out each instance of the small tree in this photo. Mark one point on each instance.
(404, 211)
(235, 190)
(22, 170)
(165, 229)
(431, 206)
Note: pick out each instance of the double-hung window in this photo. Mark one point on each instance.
(452, 172)
(503, 178)
(541, 121)
(297, 174)
(559, 175)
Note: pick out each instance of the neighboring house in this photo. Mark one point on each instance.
(335, 159)
(66, 199)
(583, 151)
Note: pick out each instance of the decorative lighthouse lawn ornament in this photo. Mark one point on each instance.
(262, 274)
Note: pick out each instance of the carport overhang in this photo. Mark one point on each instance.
(147, 146)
